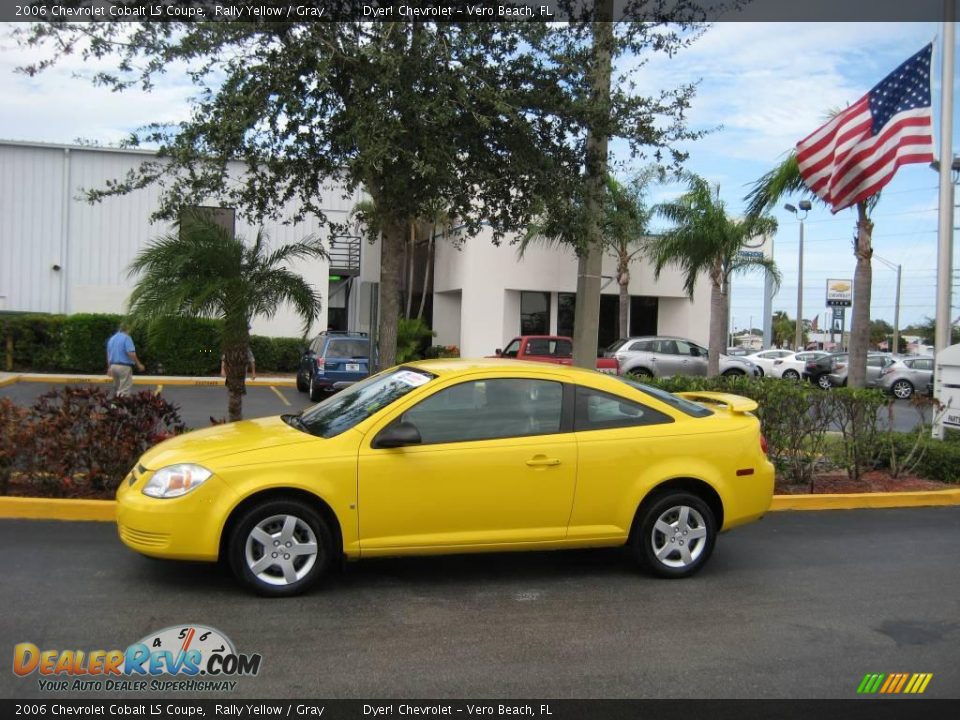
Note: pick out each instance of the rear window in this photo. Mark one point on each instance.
(614, 346)
(347, 348)
(674, 401)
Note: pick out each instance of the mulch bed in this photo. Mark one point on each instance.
(874, 481)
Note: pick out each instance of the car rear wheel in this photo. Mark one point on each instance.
(280, 548)
(734, 373)
(674, 535)
(301, 385)
(902, 389)
(641, 372)
(824, 382)
(791, 375)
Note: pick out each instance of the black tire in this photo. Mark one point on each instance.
(902, 389)
(270, 513)
(316, 393)
(791, 375)
(823, 382)
(641, 372)
(734, 373)
(644, 543)
(301, 385)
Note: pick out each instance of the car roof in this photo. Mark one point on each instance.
(456, 366)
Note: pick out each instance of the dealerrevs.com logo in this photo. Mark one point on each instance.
(199, 657)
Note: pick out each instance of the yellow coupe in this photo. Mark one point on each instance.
(455, 456)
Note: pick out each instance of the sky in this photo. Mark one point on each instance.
(764, 85)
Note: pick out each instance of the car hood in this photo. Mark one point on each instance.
(230, 439)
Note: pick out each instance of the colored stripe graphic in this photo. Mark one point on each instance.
(894, 683)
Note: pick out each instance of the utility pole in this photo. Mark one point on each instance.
(945, 227)
(896, 307)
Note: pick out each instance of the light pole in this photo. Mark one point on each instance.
(805, 208)
(896, 307)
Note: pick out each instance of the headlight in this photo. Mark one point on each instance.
(176, 480)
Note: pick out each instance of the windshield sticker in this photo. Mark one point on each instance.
(411, 378)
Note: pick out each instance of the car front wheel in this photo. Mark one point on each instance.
(280, 548)
(902, 389)
(301, 385)
(734, 373)
(675, 535)
(791, 375)
(824, 382)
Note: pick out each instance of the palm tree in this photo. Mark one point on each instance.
(202, 270)
(706, 240)
(785, 179)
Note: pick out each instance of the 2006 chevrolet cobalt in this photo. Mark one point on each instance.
(455, 456)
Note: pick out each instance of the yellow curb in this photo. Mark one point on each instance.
(58, 509)
(105, 510)
(9, 381)
(855, 501)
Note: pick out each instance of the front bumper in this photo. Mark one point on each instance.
(183, 528)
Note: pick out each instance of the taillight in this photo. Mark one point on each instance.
(763, 444)
(321, 362)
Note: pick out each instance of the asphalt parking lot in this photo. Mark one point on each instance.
(800, 605)
(199, 403)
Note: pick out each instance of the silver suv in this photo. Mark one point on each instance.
(905, 376)
(876, 362)
(665, 356)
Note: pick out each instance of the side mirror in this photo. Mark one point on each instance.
(498, 351)
(398, 435)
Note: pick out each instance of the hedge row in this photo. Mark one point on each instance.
(168, 346)
(797, 417)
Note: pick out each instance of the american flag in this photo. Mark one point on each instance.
(855, 154)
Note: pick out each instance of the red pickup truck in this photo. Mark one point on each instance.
(551, 349)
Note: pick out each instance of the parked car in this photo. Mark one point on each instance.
(875, 364)
(552, 349)
(737, 351)
(790, 367)
(905, 376)
(543, 457)
(817, 370)
(666, 356)
(765, 359)
(333, 361)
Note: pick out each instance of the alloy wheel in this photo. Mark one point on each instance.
(679, 536)
(281, 550)
(902, 389)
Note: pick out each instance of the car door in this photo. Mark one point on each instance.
(666, 357)
(695, 358)
(495, 465)
(622, 444)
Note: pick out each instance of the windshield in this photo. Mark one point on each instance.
(342, 411)
(674, 401)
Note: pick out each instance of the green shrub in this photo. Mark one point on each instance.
(264, 353)
(33, 339)
(83, 341)
(413, 337)
(855, 412)
(933, 459)
(288, 352)
(182, 346)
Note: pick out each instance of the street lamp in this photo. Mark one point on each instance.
(805, 208)
(896, 307)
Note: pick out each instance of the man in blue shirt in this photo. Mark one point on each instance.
(121, 358)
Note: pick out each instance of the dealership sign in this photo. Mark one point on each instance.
(839, 293)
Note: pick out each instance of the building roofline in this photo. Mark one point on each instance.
(72, 146)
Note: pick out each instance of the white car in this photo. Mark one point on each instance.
(765, 358)
(790, 367)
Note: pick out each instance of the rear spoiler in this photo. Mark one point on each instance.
(735, 403)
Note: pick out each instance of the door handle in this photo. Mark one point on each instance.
(542, 462)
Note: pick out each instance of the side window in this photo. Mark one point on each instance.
(684, 348)
(538, 346)
(487, 409)
(642, 346)
(665, 347)
(596, 410)
(562, 348)
(512, 349)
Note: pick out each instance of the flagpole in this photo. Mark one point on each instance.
(945, 226)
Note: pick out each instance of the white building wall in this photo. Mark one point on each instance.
(491, 277)
(44, 222)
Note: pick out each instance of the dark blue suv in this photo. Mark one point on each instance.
(332, 361)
